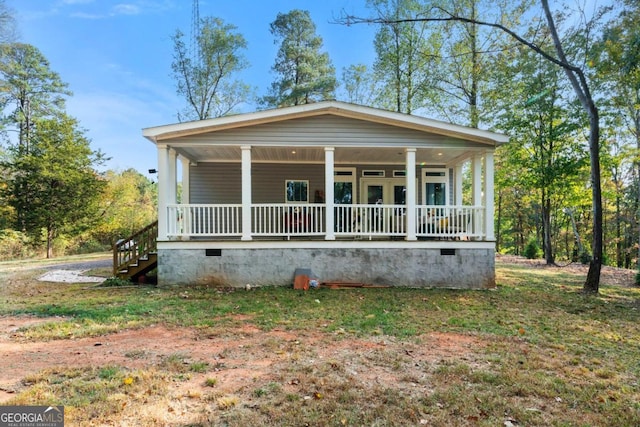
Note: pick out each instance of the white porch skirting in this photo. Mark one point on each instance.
(442, 264)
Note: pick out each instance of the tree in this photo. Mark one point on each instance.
(577, 77)
(617, 60)
(127, 204)
(205, 79)
(467, 53)
(27, 83)
(304, 73)
(360, 85)
(545, 148)
(54, 184)
(407, 58)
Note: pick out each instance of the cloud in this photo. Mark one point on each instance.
(83, 15)
(131, 8)
(126, 9)
(66, 2)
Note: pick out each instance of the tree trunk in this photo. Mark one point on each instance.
(49, 242)
(619, 239)
(499, 222)
(546, 230)
(592, 283)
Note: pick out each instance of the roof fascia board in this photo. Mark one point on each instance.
(159, 133)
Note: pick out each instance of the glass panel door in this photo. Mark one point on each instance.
(398, 221)
(343, 195)
(436, 193)
(375, 196)
(399, 194)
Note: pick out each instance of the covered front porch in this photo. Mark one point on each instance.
(352, 202)
(327, 181)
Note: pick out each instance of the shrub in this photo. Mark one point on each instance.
(585, 258)
(89, 247)
(15, 245)
(532, 250)
(116, 281)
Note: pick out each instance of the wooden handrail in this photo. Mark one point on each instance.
(136, 246)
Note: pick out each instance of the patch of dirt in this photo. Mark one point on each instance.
(237, 357)
(608, 276)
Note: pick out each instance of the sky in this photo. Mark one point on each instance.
(116, 55)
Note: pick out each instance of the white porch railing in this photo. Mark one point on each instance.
(370, 220)
(204, 220)
(450, 222)
(288, 219)
(309, 219)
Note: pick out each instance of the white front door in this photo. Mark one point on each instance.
(384, 191)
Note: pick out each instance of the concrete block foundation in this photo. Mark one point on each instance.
(460, 265)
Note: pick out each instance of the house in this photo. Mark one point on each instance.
(355, 194)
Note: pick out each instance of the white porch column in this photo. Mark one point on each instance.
(328, 193)
(457, 182)
(185, 197)
(163, 190)
(173, 176)
(246, 192)
(411, 194)
(186, 176)
(488, 196)
(476, 170)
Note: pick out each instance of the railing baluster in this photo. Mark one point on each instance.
(308, 219)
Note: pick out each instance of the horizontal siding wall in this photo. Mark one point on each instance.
(221, 182)
(268, 180)
(322, 129)
(215, 183)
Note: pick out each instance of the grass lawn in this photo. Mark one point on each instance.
(533, 352)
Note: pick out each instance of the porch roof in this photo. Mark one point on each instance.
(299, 134)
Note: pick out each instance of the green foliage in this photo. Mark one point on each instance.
(127, 204)
(532, 250)
(31, 90)
(15, 245)
(80, 245)
(360, 85)
(53, 186)
(305, 74)
(542, 170)
(408, 58)
(205, 78)
(116, 281)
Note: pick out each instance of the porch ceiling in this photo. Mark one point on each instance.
(343, 155)
(299, 134)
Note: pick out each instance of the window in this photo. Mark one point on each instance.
(435, 187)
(296, 191)
(344, 186)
